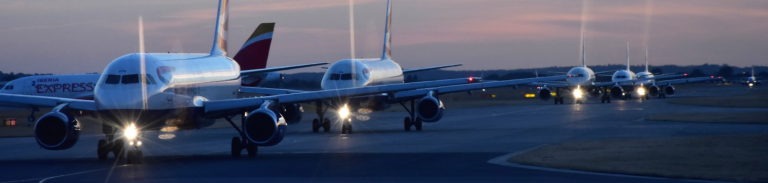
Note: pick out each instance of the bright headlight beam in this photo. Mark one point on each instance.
(641, 91)
(344, 111)
(131, 132)
(577, 93)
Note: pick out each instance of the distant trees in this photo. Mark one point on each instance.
(725, 71)
(657, 71)
(697, 73)
(762, 74)
(492, 77)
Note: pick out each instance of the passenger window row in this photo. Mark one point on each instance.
(128, 79)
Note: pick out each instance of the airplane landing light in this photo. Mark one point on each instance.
(641, 91)
(344, 112)
(131, 132)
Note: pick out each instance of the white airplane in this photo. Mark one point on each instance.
(580, 78)
(354, 73)
(252, 58)
(752, 80)
(185, 91)
(75, 86)
(645, 84)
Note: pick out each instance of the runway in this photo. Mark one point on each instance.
(456, 149)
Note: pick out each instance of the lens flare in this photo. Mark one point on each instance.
(641, 91)
(131, 132)
(344, 112)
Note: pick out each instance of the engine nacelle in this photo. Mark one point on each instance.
(669, 90)
(617, 91)
(264, 127)
(57, 131)
(544, 93)
(594, 91)
(654, 90)
(429, 109)
(291, 113)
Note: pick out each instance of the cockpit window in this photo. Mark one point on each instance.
(150, 79)
(580, 75)
(346, 76)
(130, 79)
(112, 79)
(9, 87)
(335, 77)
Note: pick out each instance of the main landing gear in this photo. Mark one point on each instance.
(110, 144)
(240, 143)
(558, 96)
(413, 120)
(605, 98)
(316, 123)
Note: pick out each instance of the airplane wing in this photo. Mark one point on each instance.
(667, 76)
(220, 108)
(41, 101)
(409, 94)
(686, 80)
(273, 69)
(268, 91)
(549, 84)
(603, 72)
(406, 71)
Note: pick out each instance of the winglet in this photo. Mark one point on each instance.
(255, 50)
(220, 35)
(387, 55)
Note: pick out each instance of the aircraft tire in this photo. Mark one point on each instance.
(417, 124)
(315, 125)
(326, 125)
(118, 148)
(236, 147)
(102, 150)
(129, 158)
(407, 124)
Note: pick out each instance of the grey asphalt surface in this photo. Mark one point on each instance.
(456, 149)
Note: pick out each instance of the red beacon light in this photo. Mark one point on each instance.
(685, 74)
(470, 79)
(711, 76)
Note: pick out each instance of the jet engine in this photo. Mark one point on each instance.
(545, 93)
(669, 90)
(617, 91)
(291, 113)
(594, 91)
(263, 126)
(654, 90)
(57, 131)
(429, 109)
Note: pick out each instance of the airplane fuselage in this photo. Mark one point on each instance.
(580, 76)
(622, 76)
(367, 72)
(176, 86)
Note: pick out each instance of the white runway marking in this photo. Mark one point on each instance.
(49, 178)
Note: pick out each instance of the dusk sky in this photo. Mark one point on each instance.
(79, 36)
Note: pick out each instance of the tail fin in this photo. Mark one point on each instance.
(387, 33)
(583, 48)
(646, 58)
(255, 50)
(220, 35)
(627, 56)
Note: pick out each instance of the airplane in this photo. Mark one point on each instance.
(75, 86)
(579, 77)
(645, 83)
(357, 72)
(186, 91)
(752, 80)
(252, 57)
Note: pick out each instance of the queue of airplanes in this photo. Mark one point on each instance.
(142, 91)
